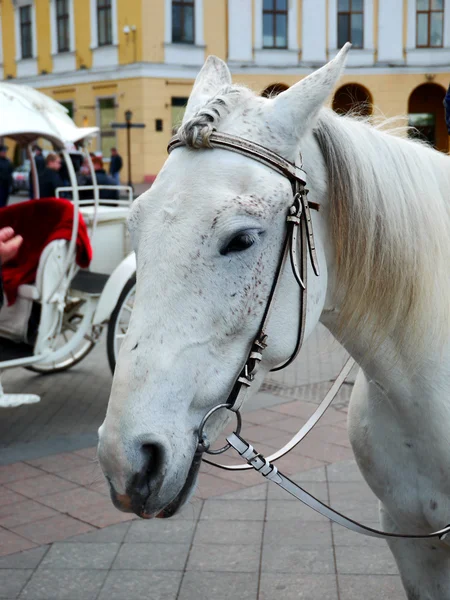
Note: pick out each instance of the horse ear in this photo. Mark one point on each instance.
(297, 108)
(213, 75)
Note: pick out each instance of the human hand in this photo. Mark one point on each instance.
(9, 244)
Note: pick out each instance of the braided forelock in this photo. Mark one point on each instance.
(196, 131)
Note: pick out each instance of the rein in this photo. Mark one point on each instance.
(298, 244)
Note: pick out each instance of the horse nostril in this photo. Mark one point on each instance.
(153, 460)
(149, 478)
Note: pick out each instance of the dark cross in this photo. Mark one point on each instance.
(128, 125)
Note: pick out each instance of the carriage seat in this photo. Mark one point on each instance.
(31, 317)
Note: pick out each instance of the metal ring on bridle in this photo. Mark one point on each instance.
(203, 441)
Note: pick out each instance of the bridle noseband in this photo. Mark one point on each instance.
(299, 244)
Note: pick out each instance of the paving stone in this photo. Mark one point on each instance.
(101, 513)
(299, 587)
(224, 558)
(241, 510)
(154, 556)
(210, 485)
(376, 561)
(12, 581)
(161, 530)
(190, 512)
(229, 532)
(59, 462)
(315, 475)
(41, 486)
(346, 470)
(295, 512)
(28, 559)
(80, 556)
(11, 542)
(84, 475)
(17, 471)
(254, 492)
(113, 533)
(72, 499)
(64, 584)
(219, 586)
(263, 417)
(308, 535)
(52, 530)
(151, 585)
(371, 587)
(7, 496)
(90, 453)
(13, 515)
(351, 491)
(295, 559)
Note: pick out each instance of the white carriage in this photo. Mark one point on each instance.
(57, 319)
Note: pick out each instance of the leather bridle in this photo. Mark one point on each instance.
(298, 244)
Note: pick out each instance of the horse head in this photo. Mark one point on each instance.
(208, 237)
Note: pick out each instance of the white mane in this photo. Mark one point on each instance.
(391, 226)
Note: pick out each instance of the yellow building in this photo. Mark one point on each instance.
(103, 57)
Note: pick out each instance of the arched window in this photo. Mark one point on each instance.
(274, 89)
(427, 116)
(353, 98)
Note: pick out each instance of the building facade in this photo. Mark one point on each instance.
(101, 58)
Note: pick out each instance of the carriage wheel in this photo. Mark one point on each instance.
(73, 315)
(119, 321)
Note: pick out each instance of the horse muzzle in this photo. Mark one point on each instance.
(148, 494)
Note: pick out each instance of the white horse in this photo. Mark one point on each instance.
(208, 236)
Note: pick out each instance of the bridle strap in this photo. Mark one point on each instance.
(262, 465)
(306, 428)
(248, 148)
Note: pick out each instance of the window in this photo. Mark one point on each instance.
(183, 21)
(275, 15)
(69, 105)
(106, 116)
(62, 25)
(430, 23)
(350, 23)
(178, 108)
(423, 127)
(104, 22)
(26, 35)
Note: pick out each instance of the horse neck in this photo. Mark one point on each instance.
(401, 375)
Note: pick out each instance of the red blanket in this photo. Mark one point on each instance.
(39, 222)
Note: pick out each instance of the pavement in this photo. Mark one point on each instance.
(61, 539)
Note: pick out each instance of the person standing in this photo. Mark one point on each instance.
(103, 179)
(50, 179)
(39, 159)
(115, 166)
(6, 170)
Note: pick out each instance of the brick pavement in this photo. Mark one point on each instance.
(255, 543)
(237, 537)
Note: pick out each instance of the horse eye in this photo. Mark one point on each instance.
(241, 242)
